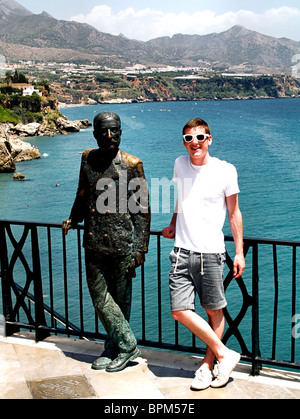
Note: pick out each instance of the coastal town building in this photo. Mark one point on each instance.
(28, 89)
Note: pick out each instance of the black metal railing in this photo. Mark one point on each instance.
(44, 290)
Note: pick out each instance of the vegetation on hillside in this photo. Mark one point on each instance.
(108, 86)
(7, 116)
(103, 87)
(16, 108)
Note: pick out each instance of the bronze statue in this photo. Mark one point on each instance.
(113, 201)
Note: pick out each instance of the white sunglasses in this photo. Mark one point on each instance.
(200, 137)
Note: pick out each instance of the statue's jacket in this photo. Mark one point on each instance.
(113, 201)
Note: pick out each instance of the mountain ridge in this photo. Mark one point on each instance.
(39, 37)
(10, 8)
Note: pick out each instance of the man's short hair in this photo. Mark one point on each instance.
(197, 122)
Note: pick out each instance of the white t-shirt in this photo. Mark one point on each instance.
(202, 193)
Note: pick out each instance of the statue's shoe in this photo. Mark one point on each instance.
(105, 359)
(101, 363)
(122, 360)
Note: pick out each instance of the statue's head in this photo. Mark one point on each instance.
(107, 131)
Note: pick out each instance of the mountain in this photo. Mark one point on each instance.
(10, 9)
(24, 35)
(235, 47)
(27, 36)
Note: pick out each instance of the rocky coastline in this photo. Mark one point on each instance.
(14, 149)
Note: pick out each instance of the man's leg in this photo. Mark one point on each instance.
(199, 327)
(217, 323)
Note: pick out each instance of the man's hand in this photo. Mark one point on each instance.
(169, 232)
(239, 265)
(66, 225)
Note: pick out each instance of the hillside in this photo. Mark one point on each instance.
(26, 36)
(171, 86)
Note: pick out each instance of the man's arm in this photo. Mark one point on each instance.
(169, 232)
(236, 225)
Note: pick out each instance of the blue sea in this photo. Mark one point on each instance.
(260, 137)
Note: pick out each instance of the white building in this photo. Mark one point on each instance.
(28, 89)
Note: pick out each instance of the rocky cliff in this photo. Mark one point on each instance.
(7, 164)
(13, 149)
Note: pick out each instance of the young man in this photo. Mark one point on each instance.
(207, 188)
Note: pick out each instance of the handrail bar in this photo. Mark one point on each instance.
(158, 232)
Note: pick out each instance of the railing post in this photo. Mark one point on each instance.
(294, 294)
(9, 329)
(159, 289)
(40, 319)
(256, 366)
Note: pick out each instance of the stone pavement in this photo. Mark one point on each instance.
(60, 368)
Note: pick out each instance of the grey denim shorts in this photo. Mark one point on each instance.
(193, 273)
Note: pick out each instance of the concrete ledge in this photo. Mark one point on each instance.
(27, 367)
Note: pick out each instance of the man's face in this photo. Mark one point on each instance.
(108, 134)
(197, 150)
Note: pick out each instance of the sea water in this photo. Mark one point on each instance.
(261, 138)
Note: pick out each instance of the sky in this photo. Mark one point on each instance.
(145, 19)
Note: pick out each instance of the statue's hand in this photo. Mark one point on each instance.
(66, 225)
(139, 259)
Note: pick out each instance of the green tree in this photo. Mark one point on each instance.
(19, 78)
(8, 78)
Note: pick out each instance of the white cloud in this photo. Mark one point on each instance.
(281, 22)
(148, 24)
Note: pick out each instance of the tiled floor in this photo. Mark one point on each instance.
(61, 368)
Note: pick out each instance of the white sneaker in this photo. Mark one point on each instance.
(203, 379)
(223, 370)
